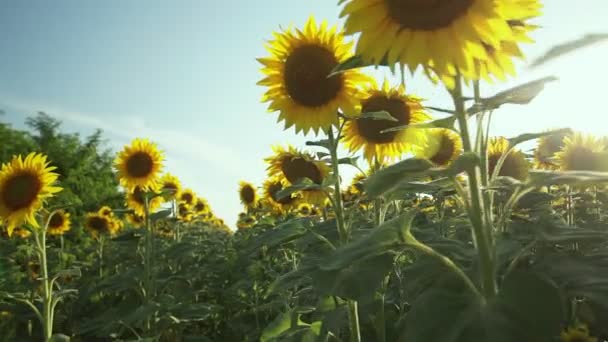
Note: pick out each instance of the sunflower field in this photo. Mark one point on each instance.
(446, 232)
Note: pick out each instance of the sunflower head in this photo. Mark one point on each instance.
(548, 146)
(442, 146)
(170, 186)
(21, 232)
(370, 134)
(200, 206)
(135, 220)
(187, 197)
(98, 225)
(184, 213)
(304, 209)
(106, 211)
(272, 186)
(582, 153)
(578, 333)
(25, 183)
(136, 201)
(139, 164)
(297, 77)
(248, 194)
(245, 222)
(515, 164)
(59, 223)
(445, 35)
(294, 166)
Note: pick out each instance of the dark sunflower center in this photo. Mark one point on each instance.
(513, 166)
(56, 221)
(305, 75)
(305, 210)
(445, 152)
(371, 129)
(199, 206)
(140, 164)
(170, 187)
(183, 210)
(20, 191)
(187, 197)
(138, 196)
(582, 159)
(427, 15)
(297, 168)
(98, 223)
(248, 194)
(108, 212)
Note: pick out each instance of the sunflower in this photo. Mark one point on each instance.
(98, 225)
(297, 77)
(106, 211)
(582, 152)
(135, 220)
(245, 222)
(136, 201)
(304, 209)
(368, 132)
(544, 154)
(515, 164)
(248, 195)
(187, 197)
(442, 146)
(444, 34)
(294, 166)
(24, 185)
(271, 187)
(578, 333)
(139, 164)
(59, 223)
(21, 232)
(184, 213)
(170, 186)
(200, 206)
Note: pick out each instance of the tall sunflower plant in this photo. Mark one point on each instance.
(26, 185)
(500, 279)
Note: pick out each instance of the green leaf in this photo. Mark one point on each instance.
(522, 94)
(466, 161)
(279, 325)
(159, 215)
(349, 161)
(531, 136)
(538, 178)
(568, 47)
(59, 338)
(385, 238)
(405, 188)
(302, 184)
(447, 123)
(322, 143)
(379, 115)
(282, 233)
(388, 178)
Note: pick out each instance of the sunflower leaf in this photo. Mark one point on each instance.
(522, 94)
(348, 160)
(447, 122)
(464, 162)
(353, 63)
(543, 178)
(569, 47)
(531, 136)
(302, 184)
(379, 115)
(159, 215)
(389, 177)
(323, 143)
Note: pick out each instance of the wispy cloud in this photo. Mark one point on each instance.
(180, 144)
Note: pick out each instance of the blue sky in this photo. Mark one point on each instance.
(183, 74)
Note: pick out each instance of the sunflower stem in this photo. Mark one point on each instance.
(100, 255)
(481, 228)
(148, 281)
(353, 314)
(47, 291)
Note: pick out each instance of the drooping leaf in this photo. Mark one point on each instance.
(522, 94)
(568, 47)
(160, 214)
(389, 177)
(379, 115)
(539, 178)
(447, 123)
(531, 136)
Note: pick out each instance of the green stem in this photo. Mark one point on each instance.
(481, 229)
(100, 255)
(47, 291)
(353, 314)
(148, 258)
